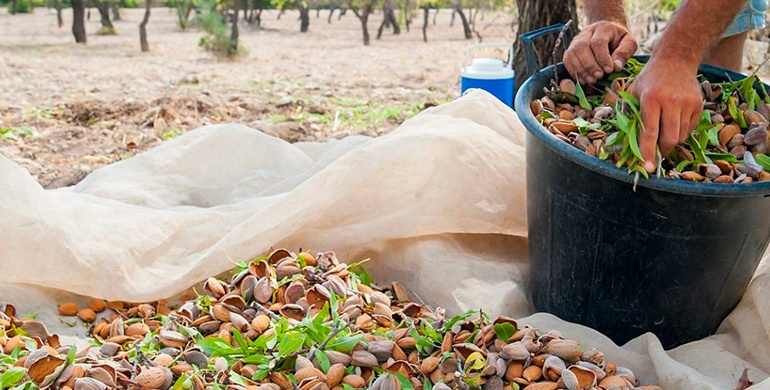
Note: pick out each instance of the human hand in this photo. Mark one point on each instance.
(671, 104)
(601, 48)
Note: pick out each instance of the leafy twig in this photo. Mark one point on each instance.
(556, 46)
(266, 311)
(337, 329)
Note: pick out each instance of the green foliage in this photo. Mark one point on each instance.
(22, 7)
(218, 41)
(128, 4)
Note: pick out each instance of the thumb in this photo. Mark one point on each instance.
(624, 50)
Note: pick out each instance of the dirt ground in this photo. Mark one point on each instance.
(66, 109)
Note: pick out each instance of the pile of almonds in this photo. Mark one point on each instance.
(243, 335)
(736, 151)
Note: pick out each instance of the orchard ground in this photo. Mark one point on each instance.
(67, 109)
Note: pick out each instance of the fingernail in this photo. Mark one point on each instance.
(618, 64)
(649, 167)
(589, 80)
(598, 74)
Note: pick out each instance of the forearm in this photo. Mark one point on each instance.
(605, 10)
(696, 27)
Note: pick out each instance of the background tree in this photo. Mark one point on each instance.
(103, 6)
(534, 14)
(59, 20)
(362, 9)
(304, 15)
(388, 19)
(78, 21)
(457, 7)
(143, 26)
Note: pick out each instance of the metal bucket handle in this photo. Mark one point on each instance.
(509, 45)
(527, 39)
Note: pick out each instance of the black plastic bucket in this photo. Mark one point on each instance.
(673, 258)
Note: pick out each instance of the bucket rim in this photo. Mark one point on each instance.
(534, 128)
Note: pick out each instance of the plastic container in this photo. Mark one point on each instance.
(673, 258)
(491, 75)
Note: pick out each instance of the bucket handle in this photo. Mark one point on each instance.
(527, 39)
(509, 45)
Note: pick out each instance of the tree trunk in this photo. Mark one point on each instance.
(59, 19)
(452, 21)
(389, 19)
(115, 11)
(78, 22)
(280, 14)
(534, 14)
(365, 28)
(426, 16)
(234, 32)
(304, 15)
(13, 7)
(342, 13)
(363, 15)
(259, 18)
(466, 27)
(104, 12)
(331, 12)
(435, 16)
(143, 27)
(318, 12)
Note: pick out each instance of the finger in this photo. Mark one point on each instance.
(649, 136)
(623, 51)
(600, 46)
(589, 68)
(686, 131)
(668, 136)
(571, 63)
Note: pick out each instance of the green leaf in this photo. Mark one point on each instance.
(697, 151)
(635, 167)
(256, 359)
(405, 383)
(240, 341)
(763, 160)
(261, 373)
(291, 344)
(721, 156)
(683, 165)
(12, 377)
(457, 319)
(184, 382)
(504, 331)
(735, 113)
(713, 136)
(582, 97)
(633, 140)
(347, 386)
(344, 343)
(323, 360)
(614, 139)
(238, 379)
(426, 385)
(361, 273)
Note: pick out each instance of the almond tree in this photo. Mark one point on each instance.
(78, 21)
(143, 26)
(362, 9)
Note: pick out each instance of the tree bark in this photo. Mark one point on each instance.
(458, 7)
(331, 12)
(426, 16)
(389, 19)
(363, 15)
(78, 21)
(104, 13)
(342, 13)
(143, 26)
(318, 12)
(59, 19)
(435, 15)
(304, 15)
(234, 31)
(534, 14)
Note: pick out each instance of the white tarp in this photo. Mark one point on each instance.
(439, 204)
